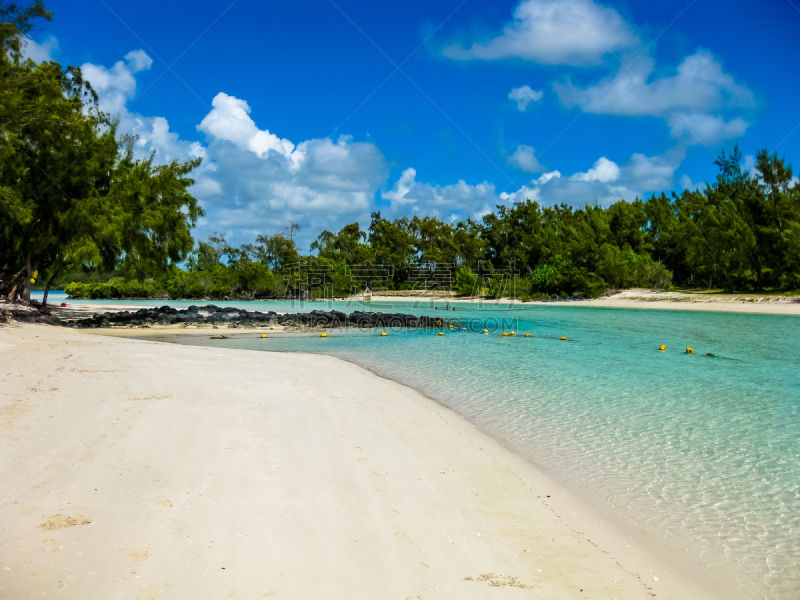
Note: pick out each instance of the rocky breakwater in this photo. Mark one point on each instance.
(236, 317)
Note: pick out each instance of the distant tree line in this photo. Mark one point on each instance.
(742, 233)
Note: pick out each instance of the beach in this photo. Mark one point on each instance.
(633, 298)
(137, 469)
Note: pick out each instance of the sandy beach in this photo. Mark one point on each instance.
(633, 298)
(136, 469)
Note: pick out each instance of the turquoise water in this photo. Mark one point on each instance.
(700, 453)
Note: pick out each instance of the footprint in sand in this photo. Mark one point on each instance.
(62, 521)
(140, 555)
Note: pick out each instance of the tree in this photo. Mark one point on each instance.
(70, 192)
(276, 251)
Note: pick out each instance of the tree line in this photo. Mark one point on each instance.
(742, 233)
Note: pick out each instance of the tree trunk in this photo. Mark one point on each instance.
(25, 291)
(15, 281)
(47, 287)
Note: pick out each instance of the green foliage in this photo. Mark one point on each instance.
(546, 278)
(114, 289)
(741, 233)
(71, 194)
(466, 280)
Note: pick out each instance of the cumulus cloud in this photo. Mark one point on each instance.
(700, 128)
(554, 32)
(524, 96)
(39, 51)
(699, 84)
(459, 200)
(115, 88)
(117, 85)
(322, 184)
(606, 182)
(604, 170)
(138, 60)
(230, 120)
(691, 100)
(265, 180)
(525, 158)
(251, 181)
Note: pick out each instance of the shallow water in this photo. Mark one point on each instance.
(703, 452)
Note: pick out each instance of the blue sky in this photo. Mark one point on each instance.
(323, 112)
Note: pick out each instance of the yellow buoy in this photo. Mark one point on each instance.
(323, 335)
(441, 333)
(383, 333)
(452, 326)
(513, 333)
(662, 347)
(527, 335)
(485, 331)
(505, 334)
(690, 351)
(263, 335)
(463, 329)
(563, 338)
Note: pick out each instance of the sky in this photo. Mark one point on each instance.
(325, 111)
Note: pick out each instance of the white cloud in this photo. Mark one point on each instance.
(230, 120)
(605, 182)
(699, 84)
(545, 177)
(686, 183)
(39, 51)
(117, 85)
(700, 128)
(604, 170)
(458, 200)
(554, 32)
(749, 163)
(138, 60)
(690, 101)
(251, 181)
(115, 88)
(524, 96)
(525, 158)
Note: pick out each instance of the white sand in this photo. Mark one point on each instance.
(133, 469)
(633, 298)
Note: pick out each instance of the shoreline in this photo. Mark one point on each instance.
(672, 554)
(626, 299)
(408, 432)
